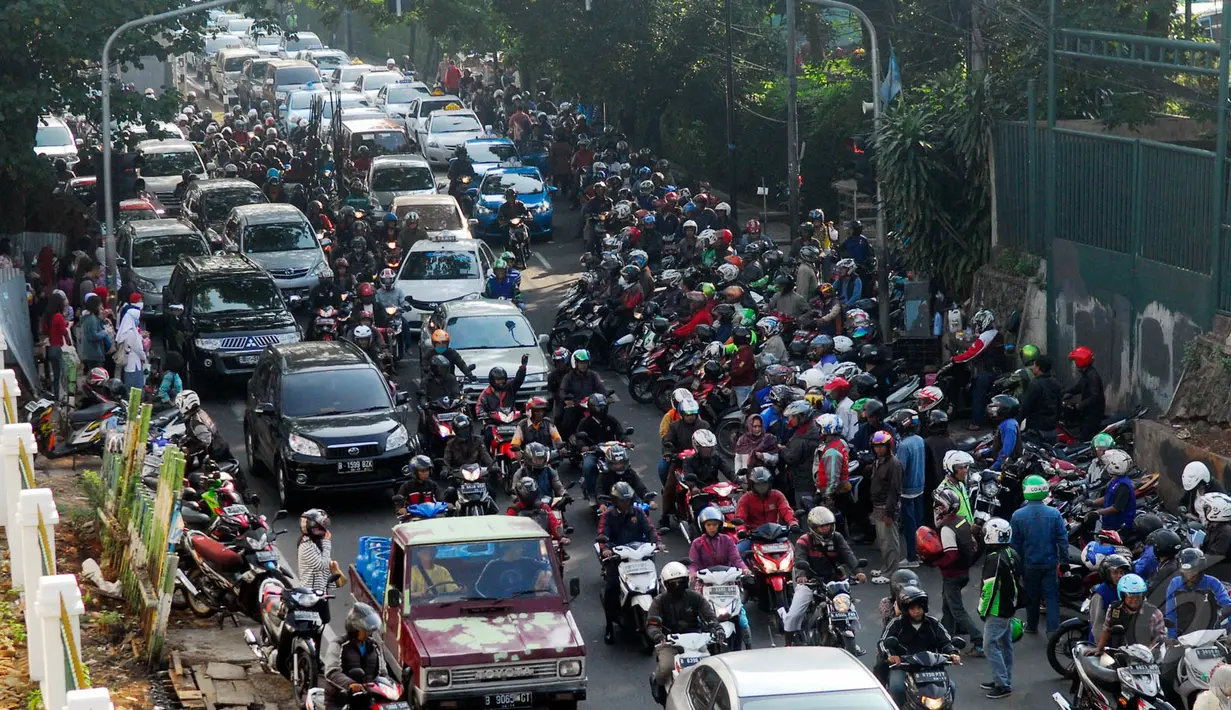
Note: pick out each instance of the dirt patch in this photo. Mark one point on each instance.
(1212, 437)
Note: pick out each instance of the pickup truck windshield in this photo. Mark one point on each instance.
(486, 570)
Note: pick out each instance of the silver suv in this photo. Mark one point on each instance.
(281, 240)
(147, 251)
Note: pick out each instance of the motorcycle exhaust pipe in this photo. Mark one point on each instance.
(188, 586)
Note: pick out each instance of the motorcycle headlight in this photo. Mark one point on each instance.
(305, 599)
(304, 446)
(397, 438)
(209, 343)
(570, 668)
(933, 703)
(842, 603)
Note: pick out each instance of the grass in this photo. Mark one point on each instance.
(12, 623)
(34, 699)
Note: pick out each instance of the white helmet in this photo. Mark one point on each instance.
(672, 277)
(673, 571)
(956, 458)
(722, 207)
(728, 273)
(820, 515)
(983, 320)
(1116, 462)
(704, 438)
(845, 370)
(186, 401)
(829, 424)
(690, 223)
(1195, 473)
(623, 210)
(713, 351)
(707, 238)
(813, 377)
(1217, 507)
(997, 531)
(847, 263)
(680, 394)
(362, 332)
(842, 344)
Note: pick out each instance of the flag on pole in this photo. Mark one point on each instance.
(892, 85)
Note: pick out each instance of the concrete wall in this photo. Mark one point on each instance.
(153, 74)
(1156, 449)
(1138, 339)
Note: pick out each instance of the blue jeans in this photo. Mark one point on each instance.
(912, 518)
(1041, 585)
(998, 646)
(664, 467)
(589, 474)
(979, 390)
(742, 394)
(744, 546)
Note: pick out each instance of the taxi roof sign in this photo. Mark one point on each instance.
(443, 237)
(438, 92)
(453, 107)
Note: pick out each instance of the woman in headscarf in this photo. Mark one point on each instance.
(755, 446)
(130, 348)
(1218, 697)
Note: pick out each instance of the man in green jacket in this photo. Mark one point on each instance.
(999, 600)
(957, 464)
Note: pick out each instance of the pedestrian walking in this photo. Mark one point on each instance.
(999, 598)
(886, 495)
(912, 452)
(1039, 539)
(957, 555)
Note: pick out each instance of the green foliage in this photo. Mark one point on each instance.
(931, 157)
(34, 698)
(1017, 263)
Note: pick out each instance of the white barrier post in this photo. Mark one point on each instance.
(91, 699)
(11, 390)
(52, 591)
(11, 440)
(29, 564)
(4, 345)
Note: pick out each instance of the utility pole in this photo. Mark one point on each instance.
(731, 115)
(792, 124)
(350, 40)
(978, 53)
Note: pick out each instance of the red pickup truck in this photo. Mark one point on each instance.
(476, 616)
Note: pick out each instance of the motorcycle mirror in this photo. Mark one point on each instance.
(1170, 623)
(1117, 630)
(471, 368)
(737, 521)
(280, 515)
(959, 643)
(357, 674)
(264, 408)
(398, 499)
(801, 514)
(544, 341)
(890, 643)
(601, 539)
(686, 561)
(628, 431)
(650, 496)
(863, 562)
(393, 597)
(574, 588)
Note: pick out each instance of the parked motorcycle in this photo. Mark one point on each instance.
(289, 638)
(216, 576)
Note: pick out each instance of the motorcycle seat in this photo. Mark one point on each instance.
(1096, 672)
(96, 411)
(194, 518)
(217, 554)
(967, 443)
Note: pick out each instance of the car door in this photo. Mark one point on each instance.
(264, 426)
(412, 119)
(123, 244)
(486, 259)
(174, 325)
(230, 232)
(381, 97)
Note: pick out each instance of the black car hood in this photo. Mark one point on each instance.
(343, 428)
(246, 321)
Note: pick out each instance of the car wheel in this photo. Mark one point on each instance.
(288, 498)
(255, 467)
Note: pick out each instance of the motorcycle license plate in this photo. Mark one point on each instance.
(931, 677)
(506, 429)
(841, 615)
(722, 591)
(356, 466)
(1208, 653)
(37, 404)
(509, 700)
(467, 489)
(728, 508)
(324, 321)
(774, 547)
(399, 705)
(248, 359)
(1143, 669)
(234, 511)
(688, 661)
(306, 615)
(638, 567)
(266, 556)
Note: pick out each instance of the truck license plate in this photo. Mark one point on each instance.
(356, 466)
(509, 700)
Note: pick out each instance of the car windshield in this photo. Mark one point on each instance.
(289, 236)
(455, 124)
(381, 142)
(164, 250)
(504, 569)
(303, 40)
(136, 215)
(525, 184)
(236, 62)
(401, 94)
(427, 107)
(307, 394)
(348, 75)
(171, 164)
(400, 178)
(374, 80)
(491, 152)
(219, 203)
(297, 75)
(301, 100)
(440, 266)
(237, 295)
(837, 700)
(48, 136)
(258, 70)
(490, 332)
(330, 60)
(347, 100)
(435, 218)
(213, 44)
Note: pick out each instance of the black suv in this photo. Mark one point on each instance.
(322, 417)
(208, 202)
(221, 312)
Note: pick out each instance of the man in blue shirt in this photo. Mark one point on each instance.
(501, 284)
(912, 454)
(1007, 442)
(1191, 594)
(857, 245)
(1040, 540)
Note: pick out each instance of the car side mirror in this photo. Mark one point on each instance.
(393, 597)
(281, 108)
(79, 142)
(553, 189)
(574, 588)
(264, 408)
(544, 341)
(175, 309)
(402, 397)
(120, 261)
(472, 223)
(280, 515)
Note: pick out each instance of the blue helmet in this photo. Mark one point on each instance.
(1130, 584)
(649, 219)
(822, 341)
(643, 173)
(390, 218)
(272, 174)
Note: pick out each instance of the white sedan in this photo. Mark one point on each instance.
(444, 131)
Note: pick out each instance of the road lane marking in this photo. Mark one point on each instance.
(542, 260)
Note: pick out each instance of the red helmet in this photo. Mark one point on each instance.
(838, 387)
(736, 260)
(928, 543)
(640, 215)
(367, 289)
(725, 236)
(1082, 356)
(753, 227)
(672, 198)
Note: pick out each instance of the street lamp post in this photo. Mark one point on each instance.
(882, 239)
(113, 271)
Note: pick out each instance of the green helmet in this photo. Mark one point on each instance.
(510, 257)
(1103, 440)
(1035, 488)
(500, 264)
(708, 289)
(858, 405)
(1029, 354)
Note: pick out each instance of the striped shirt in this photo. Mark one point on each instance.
(314, 567)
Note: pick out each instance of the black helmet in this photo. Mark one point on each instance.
(712, 368)
(1111, 562)
(596, 403)
(1145, 524)
(622, 491)
(937, 421)
(1192, 562)
(527, 489)
(651, 309)
(806, 230)
(760, 476)
(772, 258)
(863, 385)
(704, 332)
(1003, 406)
(900, 579)
(740, 335)
(784, 282)
(660, 325)
(496, 373)
(752, 273)
(906, 421)
(871, 352)
(362, 617)
(420, 463)
(810, 254)
(461, 426)
(617, 459)
(538, 455)
(873, 407)
(912, 595)
(1166, 543)
(723, 311)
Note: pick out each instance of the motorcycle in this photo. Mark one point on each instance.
(1119, 425)
(380, 694)
(628, 348)
(1203, 650)
(638, 587)
(643, 379)
(325, 327)
(80, 431)
(772, 561)
(289, 637)
(391, 255)
(504, 458)
(436, 426)
(721, 495)
(519, 241)
(693, 647)
(392, 332)
(1130, 670)
(832, 619)
(419, 508)
(215, 576)
(928, 686)
(721, 587)
(473, 495)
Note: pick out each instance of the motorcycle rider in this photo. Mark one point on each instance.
(577, 384)
(1041, 401)
(1217, 543)
(704, 467)
(1165, 545)
(560, 367)
(680, 610)
(832, 477)
(957, 464)
(354, 658)
(786, 301)
(440, 381)
(325, 294)
(762, 504)
(619, 469)
(420, 488)
(1086, 396)
(460, 167)
(389, 294)
(201, 436)
(501, 283)
(464, 447)
(847, 284)
(711, 548)
(829, 557)
(770, 330)
(512, 208)
(1006, 443)
(440, 346)
(365, 338)
(526, 497)
(1192, 595)
(1196, 481)
(838, 391)
(500, 393)
(698, 314)
(799, 451)
(915, 632)
(1104, 594)
(344, 280)
(621, 524)
(598, 427)
(1141, 622)
(412, 231)
(536, 466)
(536, 427)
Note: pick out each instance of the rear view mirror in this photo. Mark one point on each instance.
(544, 341)
(393, 597)
(280, 515)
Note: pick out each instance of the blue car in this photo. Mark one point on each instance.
(531, 190)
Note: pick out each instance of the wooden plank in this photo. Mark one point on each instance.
(175, 662)
(207, 689)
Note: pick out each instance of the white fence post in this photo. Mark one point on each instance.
(91, 699)
(30, 562)
(11, 438)
(9, 389)
(52, 591)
